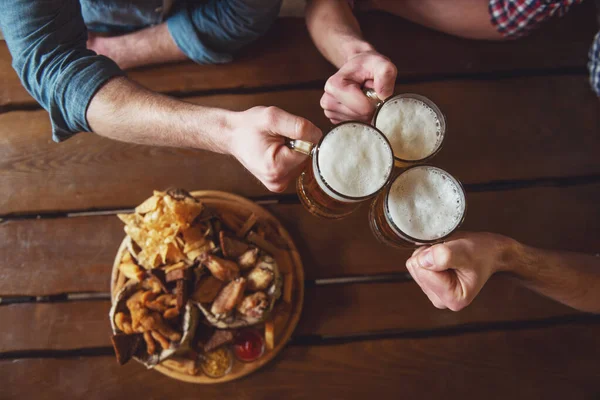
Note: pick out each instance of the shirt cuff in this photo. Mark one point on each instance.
(184, 34)
(73, 94)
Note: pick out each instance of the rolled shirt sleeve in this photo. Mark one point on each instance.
(210, 32)
(47, 40)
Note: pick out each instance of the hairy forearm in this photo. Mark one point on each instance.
(148, 46)
(570, 278)
(125, 111)
(334, 30)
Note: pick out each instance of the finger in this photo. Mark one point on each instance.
(435, 258)
(445, 285)
(330, 103)
(384, 78)
(340, 117)
(349, 93)
(285, 124)
(435, 300)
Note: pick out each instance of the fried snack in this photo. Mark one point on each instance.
(231, 221)
(262, 243)
(155, 226)
(123, 322)
(224, 270)
(179, 274)
(183, 365)
(229, 297)
(207, 289)
(259, 278)
(232, 248)
(150, 345)
(254, 305)
(171, 313)
(269, 335)
(164, 343)
(219, 338)
(131, 271)
(162, 303)
(181, 293)
(250, 222)
(248, 259)
(125, 346)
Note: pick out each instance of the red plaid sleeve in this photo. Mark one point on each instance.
(515, 18)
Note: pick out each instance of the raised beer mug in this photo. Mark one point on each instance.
(421, 205)
(350, 164)
(413, 124)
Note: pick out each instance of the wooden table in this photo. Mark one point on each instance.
(523, 137)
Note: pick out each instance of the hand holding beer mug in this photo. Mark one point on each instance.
(349, 165)
(413, 124)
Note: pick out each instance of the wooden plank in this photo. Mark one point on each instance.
(76, 254)
(498, 130)
(558, 362)
(286, 56)
(328, 310)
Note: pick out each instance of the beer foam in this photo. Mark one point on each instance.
(354, 160)
(426, 203)
(412, 127)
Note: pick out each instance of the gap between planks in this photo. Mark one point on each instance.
(330, 340)
(319, 84)
(492, 186)
(92, 296)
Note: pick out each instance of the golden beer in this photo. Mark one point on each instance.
(422, 205)
(351, 164)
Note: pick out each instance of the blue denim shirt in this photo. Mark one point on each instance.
(47, 40)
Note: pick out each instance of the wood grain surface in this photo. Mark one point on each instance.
(328, 310)
(556, 362)
(286, 56)
(49, 256)
(497, 130)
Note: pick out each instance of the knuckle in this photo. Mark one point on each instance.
(301, 126)
(332, 84)
(270, 114)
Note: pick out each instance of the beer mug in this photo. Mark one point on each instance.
(350, 164)
(421, 205)
(413, 124)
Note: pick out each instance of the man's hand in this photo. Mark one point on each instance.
(344, 100)
(258, 142)
(451, 274)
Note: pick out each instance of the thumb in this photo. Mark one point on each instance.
(435, 258)
(291, 126)
(384, 79)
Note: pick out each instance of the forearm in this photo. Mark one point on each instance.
(125, 111)
(148, 46)
(334, 30)
(570, 278)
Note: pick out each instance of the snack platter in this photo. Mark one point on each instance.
(213, 292)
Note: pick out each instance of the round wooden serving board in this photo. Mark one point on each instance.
(222, 201)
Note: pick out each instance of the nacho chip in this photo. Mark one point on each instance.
(150, 204)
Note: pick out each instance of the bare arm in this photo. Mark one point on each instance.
(153, 45)
(334, 30)
(451, 274)
(337, 35)
(125, 111)
(570, 278)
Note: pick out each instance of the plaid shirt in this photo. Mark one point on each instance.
(516, 18)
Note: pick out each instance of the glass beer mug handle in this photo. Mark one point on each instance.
(301, 146)
(372, 95)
